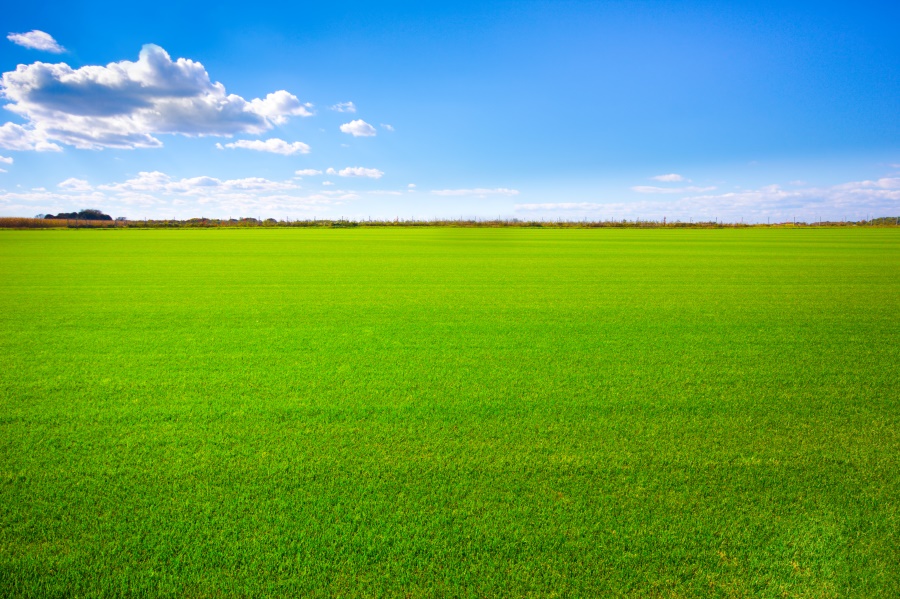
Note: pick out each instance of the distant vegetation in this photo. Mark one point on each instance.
(95, 218)
(87, 214)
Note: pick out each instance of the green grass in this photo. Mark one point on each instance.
(450, 413)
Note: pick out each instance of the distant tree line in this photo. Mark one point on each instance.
(87, 214)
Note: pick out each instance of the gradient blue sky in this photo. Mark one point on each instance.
(754, 111)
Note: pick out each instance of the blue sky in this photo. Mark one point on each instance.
(522, 109)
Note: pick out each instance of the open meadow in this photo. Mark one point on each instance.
(445, 412)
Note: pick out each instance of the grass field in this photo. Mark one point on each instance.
(450, 413)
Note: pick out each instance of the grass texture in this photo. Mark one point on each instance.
(450, 413)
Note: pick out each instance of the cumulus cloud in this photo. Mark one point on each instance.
(6, 160)
(126, 104)
(307, 172)
(479, 192)
(654, 189)
(36, 40)
(359, 128)
(344, 107)
(73, 184)
(670, 178)
(17, 137)
(273, 145)
(358, 171)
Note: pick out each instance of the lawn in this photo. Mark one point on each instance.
(450, 413)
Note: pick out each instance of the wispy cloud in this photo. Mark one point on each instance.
(157, 194)
(6, 160)
(344, 107)
(387, 127)
(36, 40)
(126, 104)
(359, 128)
(654, 189)
(670, 178)
(852, 200)
(307, 172)
(479, 192)
(273, 145)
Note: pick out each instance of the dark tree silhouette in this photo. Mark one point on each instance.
(86, 214)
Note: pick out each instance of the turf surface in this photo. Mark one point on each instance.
(450, 413)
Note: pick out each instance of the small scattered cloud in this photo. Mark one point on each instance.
(307, 172)
(479, 192)
(330, 171)
(273, 145)
(326, 183)
(73, 184)
(358, 171)
(36, 40)
(670, 178)
(654, 189)
(6, 160)
(359, 128)
(344, 107)
(387, 127)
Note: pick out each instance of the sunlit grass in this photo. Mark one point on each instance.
(449, 412)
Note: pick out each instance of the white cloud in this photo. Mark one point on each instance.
(358, 171)
(73, 184)
(273, 145)
(653, 189)
(36, 40)
(126, 104)
(158, 182)
(479, 192)
(344, 107)
(359, 128)
(6, 160)
(851, 201)
(387, 127)
(330, 171)
(327, 183)
(17, 137)
(561, 206)
(670, 178)
(307, 172)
